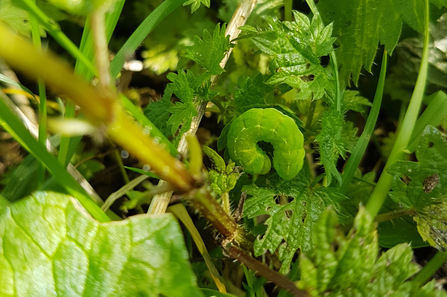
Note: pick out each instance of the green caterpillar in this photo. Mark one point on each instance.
(269, 125)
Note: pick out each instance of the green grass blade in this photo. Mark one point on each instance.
(15, 127)
(7, 80)
(380, 192)
(42, 95)
(141, 33)
(57, 34)
(362, 143)
(69, 144)
(432, 115)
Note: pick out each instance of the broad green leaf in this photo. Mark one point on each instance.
(52, 248)
(16, 17)
(209, 51)
(426, 178)
(296, 48)
(431, 223)
(350, 265)
(398, 230)
(421, 186)
(360, 25)
(293, 208)
(195, 4)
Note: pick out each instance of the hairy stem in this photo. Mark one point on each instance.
(280, 280)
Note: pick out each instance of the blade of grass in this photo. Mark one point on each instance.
(42, 95)
(432, 115)
(380, 192)
(105, 111)
(362, 143)
(54, 30)
(69, 144)
(15, 127)
(137, 37)
(181, 213)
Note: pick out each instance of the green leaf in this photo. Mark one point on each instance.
(253, 92)
(50, 247)
(296, 48)
(182, 114)
(353, 101)
(358, 37)
(349, 265)
(195, 4)
(426, 178)
(336, 139)
(158, 112)
(16, 17)
(209, 51)
(431, 223)
(291, 218)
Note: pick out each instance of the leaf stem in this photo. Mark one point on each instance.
(380, 192)
(394, 214)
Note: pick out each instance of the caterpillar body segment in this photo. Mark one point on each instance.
(268, 125)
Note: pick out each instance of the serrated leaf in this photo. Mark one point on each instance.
(195, 4)
(253, 92)
(427, 177)
(158, 112)
(360, 25)
(349, 265)
(353, 101)
(296, 48)
(431, 223)
(335, 140)
(209, 51)
(290, 224)
(182, 114)
(52, 248)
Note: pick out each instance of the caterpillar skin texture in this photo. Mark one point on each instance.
(269, 125)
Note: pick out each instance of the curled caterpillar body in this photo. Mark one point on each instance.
(269, 125)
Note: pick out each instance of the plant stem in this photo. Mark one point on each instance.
(380, 192)
(432, 266)
(121, 166)
(288, 4)
(394, 214)
(160, 202)
(280, 280)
